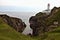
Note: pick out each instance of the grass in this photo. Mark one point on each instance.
(54, 35)
(8, 33)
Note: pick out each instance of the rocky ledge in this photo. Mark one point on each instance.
(16, 23)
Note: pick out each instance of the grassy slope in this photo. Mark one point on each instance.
(8, 33)
(54, 35)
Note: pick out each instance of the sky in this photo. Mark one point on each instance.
(27, 5)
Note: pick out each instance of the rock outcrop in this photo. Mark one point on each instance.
(16, 23)
(34, 25)
(43, 23)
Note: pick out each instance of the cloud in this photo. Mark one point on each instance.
(19, 2)
(27, 2)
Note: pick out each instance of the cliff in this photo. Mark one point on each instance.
(42, 22)
(15, 23)
(9, 33)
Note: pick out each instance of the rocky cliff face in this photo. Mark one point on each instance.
(16, 23)
(41, 22)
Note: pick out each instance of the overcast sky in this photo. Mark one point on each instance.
(27, 5)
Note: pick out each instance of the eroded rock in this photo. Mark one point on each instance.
(16, 23)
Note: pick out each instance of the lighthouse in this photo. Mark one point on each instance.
(47, 11)
(48, 6)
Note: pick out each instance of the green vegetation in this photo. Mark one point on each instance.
(8, 33)
(54, 35)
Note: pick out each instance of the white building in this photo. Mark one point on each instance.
(47, 11)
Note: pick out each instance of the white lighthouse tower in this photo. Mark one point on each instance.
(47, 11)
(48, 6)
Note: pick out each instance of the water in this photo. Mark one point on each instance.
(25, 18)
